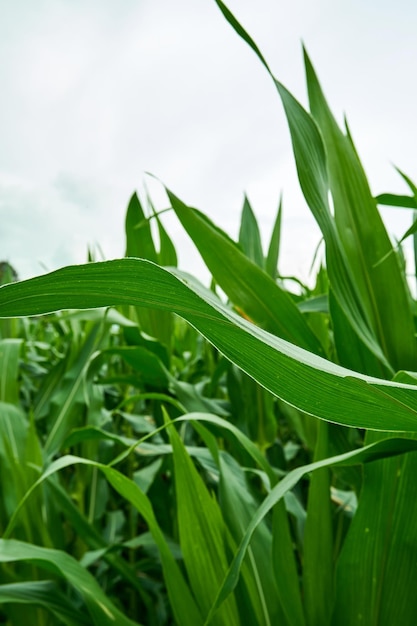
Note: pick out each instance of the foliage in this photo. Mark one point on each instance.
(171, 456)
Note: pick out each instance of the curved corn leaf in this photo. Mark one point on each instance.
(306, 381)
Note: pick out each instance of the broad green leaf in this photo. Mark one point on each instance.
(246, 284)
(306, 381)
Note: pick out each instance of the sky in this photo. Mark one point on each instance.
(95, 93)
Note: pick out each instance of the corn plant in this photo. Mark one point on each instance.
(172, 456)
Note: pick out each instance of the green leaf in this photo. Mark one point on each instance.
(139, 241)
(238, 507)
(379, 286)
(271, 262)
(101, 609)
(285, 567)
(140, 244)
(249, 235)
(367, 454)
(9, 370)
(19, 459)
(44, 593)
(306, 381)
(181, 599)
(376, 573)
(318, 540)
(149, 368)
(310, 156)
(392, 199)
(247, 286)
(203, 548)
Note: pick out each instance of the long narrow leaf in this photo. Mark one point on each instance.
(304, 380)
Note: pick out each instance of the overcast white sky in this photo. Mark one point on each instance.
(96, 92)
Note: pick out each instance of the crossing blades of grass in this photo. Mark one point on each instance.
(367, 454)
(202, 535)
(101, 609)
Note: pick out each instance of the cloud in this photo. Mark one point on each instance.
(95, 94)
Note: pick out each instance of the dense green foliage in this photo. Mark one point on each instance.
(168, 455)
